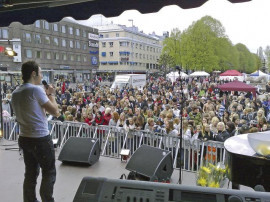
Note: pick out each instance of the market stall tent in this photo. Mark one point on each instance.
(232, 75)
(174, 75)
(238, 86)
(199, 73)
(259, 73)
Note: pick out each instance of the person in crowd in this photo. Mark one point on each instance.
(195, 117)
(107, 116)
(231, 128)
(121, 121)
(99, 119)
(206, 134)
(222, 134)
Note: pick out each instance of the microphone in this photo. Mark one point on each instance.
(45, 84)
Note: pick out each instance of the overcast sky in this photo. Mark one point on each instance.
(246, 23)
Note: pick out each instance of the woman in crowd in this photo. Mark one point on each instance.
(222, 134)
(206, 134)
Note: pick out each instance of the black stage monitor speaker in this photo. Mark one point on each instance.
(152, 163)
(116, 190)
(80, 150)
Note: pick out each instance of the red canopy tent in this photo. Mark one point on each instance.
(238, 86)
(231, 72)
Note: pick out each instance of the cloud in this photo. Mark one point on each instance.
(245, 23)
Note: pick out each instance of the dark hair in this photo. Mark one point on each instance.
(27, 69)
(231, 126)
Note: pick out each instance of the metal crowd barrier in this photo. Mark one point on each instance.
(114, 139)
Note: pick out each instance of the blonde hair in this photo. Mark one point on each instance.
(214, 120)
(221, 124)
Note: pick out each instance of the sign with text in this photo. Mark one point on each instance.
(93, 36)
(18, 49)
(93, 44)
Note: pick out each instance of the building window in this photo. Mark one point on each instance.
(46, 25)
(84, 59)
(101, 36)
(3, 34)
(28, 37)
(37, 24)
(117, 34)
(64, 56)
(77, 32)
(111, 54)
(55, 27)
(111, 44)
(64, 43)
(38, 54)
(84, 33)
(56, 56)
(136, 55)
(84, 46)
(47, 40)
(37, 39)
(71, 44)
(106, 35)
(123, 43)
(103, 54)
(77, 44)
(103, 44)
(28, 53)
(70, 30)
(55, 41)
(78, 58)
(72, 57)
(63, 29)
(48, 55)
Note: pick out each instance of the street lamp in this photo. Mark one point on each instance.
(181, 121)
(132, 44)
(10, 52)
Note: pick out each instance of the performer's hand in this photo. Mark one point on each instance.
(50, 90)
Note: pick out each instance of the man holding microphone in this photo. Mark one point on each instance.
(30, 103)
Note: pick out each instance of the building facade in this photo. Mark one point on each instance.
(64, 49)
(125, 49)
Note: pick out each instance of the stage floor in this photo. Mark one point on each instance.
(68, 177)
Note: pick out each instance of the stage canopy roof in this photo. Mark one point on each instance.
(231, 72)
(28, 11)
(238, 86)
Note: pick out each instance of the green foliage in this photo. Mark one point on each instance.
(171, 47)
(247, 60)
(205, 46)
(165, 61)
(267, 54)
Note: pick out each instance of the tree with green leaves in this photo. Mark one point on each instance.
(171, 47)
(165, 61)
(267, 55)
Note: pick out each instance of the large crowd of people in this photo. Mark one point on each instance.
(207, 113)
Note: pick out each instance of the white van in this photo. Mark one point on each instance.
(124, 80)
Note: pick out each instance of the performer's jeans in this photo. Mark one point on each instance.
(38, 153)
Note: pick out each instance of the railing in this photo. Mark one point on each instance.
(113, 140)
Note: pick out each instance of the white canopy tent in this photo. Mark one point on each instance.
(174, 75)
(199, 73)
(259, 73)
